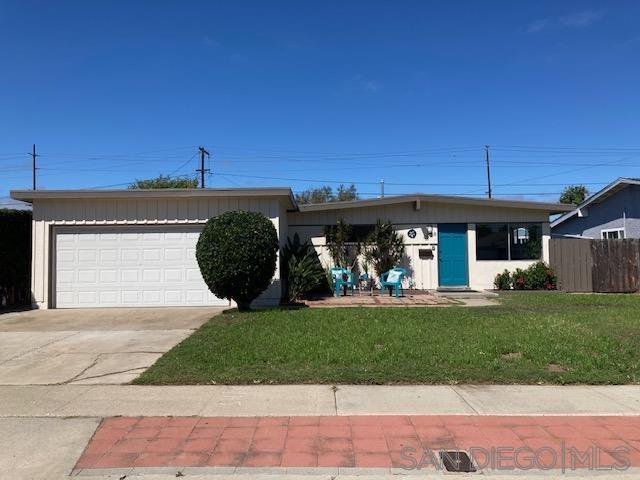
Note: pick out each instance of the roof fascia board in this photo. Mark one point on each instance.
(551, 207)
(31, 195)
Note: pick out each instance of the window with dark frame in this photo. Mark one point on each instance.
(358, 233)
(526, 241)
(504, 241)
(492, 241)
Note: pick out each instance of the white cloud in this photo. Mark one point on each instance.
(538, 25)
(210, 41)
(370, 86)
(582, 19)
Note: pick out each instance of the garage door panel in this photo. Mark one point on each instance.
(66, 276)
(129, 275)
(108, 276)
(109, 255)
(87, 298)
(129, 255)
(146, 267)
(109, 298)
(87, 276)
(87, 255)
(173, 275)
(131, 297)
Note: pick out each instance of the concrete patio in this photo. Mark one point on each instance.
(409, 298)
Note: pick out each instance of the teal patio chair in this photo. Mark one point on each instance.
(393, 281)
(342, 278)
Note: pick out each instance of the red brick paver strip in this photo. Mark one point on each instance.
(400, 441)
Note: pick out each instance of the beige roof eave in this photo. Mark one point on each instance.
(31, 195)
(484, 202)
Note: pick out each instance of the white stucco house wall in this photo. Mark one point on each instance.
(109, 248)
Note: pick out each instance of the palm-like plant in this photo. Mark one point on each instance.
(385, 247)
(343, 252)
(302, 268)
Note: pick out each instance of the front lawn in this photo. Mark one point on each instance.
(529, 338)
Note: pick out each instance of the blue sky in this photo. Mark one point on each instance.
(299, 93)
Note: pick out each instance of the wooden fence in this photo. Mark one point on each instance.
(584, 265)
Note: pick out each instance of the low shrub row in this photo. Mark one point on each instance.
(538, 276)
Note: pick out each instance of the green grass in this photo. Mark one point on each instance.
(593, 339)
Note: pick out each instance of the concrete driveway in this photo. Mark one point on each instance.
(90, 346)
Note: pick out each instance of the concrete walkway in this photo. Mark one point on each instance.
(273, 400)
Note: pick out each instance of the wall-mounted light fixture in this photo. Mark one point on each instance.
(429, 231)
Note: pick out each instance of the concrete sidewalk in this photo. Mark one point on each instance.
(273, 400)
(45, 429)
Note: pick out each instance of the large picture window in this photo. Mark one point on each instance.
(525, 241)
(357, 233)
(508, 241)
(492, 241)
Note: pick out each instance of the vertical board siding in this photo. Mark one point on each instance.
(97, 212)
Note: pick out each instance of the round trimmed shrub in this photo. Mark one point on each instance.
(237, 253)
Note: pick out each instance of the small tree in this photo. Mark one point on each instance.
(384, 248)
(315, 195)
(302, 268)
(344, 194)
(344, 253)
(164, 182)
(325, 194)
(237, 254)
(575, 194)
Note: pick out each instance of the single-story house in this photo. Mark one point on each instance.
(110, 248)
(611, 213)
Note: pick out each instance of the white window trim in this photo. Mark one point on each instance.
(619, 230)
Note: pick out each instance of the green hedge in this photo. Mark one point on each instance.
(15, 258)
(538, 276)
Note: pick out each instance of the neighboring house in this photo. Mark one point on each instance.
(109, 248)
(611, 213)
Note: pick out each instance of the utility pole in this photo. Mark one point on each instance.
(33, 157)
(381, 188)
(202, 170)
(486, 157)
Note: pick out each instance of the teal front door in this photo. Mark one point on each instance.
(452, 255)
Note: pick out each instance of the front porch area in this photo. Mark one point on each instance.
(409, 298)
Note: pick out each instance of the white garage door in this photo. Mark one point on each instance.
(129, 267)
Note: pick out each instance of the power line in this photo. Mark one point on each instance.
(183, 165)
(454, 184)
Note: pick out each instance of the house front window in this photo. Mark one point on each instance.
(612, 233)
(525, 241)
(492, 241)
(357, 233)
(508, 241)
